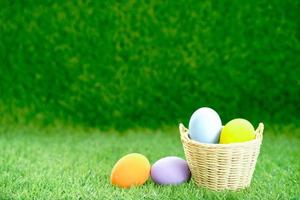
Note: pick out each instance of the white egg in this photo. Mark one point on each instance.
(205, 126)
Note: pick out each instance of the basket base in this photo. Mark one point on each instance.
(220, 187)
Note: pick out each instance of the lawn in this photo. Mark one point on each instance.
(75, 163)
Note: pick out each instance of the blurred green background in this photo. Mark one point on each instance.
(124, 64)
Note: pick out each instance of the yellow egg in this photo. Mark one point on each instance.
(237, 130)
(131, 170)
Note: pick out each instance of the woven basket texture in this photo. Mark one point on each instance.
(222, 166)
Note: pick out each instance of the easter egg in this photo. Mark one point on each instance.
(205, 126)
(237, 130)
(131, 170)
(170, 171)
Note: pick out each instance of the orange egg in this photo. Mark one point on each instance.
(131, 170)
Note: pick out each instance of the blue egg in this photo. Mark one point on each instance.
(205, 126)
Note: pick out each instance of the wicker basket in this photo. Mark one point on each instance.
(222, 166)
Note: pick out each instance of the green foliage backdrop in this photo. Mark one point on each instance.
(147, 63)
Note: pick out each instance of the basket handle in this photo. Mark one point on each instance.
(259, 131)
(183, 131)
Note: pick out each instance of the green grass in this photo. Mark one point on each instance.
(93, 61)
(75, 163)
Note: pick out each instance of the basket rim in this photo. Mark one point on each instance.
(185, 138)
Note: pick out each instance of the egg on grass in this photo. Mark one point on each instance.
(170, 170)
(131, 170)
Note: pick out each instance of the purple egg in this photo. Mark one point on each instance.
(170, 171)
